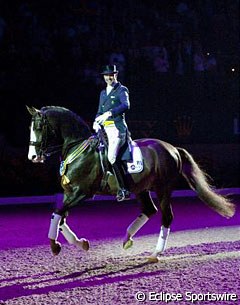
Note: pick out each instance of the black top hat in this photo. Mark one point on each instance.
(109, 69)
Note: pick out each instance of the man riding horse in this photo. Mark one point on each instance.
(56, 129)
(113, 103)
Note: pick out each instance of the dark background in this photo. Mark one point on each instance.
(51, 53)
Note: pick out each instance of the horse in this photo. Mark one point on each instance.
(59, 130)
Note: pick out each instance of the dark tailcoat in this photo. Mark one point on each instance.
(117, 101)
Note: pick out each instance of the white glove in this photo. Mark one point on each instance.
(103, 117)
(96, 126)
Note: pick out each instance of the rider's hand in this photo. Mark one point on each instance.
(96, 126)
(103, 117)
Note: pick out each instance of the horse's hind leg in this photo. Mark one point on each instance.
(167, 217)
(148, 209)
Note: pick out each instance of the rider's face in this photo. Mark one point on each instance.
(110, 79)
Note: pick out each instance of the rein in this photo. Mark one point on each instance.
(57, 148)
(74, 155)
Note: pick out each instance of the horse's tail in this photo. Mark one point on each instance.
(198, 181)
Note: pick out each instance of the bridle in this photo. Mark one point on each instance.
(41, 123)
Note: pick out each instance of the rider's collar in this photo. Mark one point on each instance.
(116, 85)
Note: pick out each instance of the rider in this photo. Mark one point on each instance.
(113, 103)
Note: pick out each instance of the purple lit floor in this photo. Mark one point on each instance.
(202, 255)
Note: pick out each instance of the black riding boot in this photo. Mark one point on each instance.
(123, 193)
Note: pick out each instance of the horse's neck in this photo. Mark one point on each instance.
(72, 132)
(70, 143)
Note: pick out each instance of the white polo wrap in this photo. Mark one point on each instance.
(54, 226)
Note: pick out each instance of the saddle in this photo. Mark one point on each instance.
(99, 142)
(133, 165)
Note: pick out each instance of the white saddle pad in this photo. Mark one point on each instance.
(136, 166)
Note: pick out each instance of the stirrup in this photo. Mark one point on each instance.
(123, 194)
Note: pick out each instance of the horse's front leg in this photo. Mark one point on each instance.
(71, 198)
(71, 237)
(53, 233)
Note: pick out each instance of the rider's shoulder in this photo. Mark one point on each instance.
(123, 88)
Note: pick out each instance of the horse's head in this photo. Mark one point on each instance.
(42, 135)
(54, 129)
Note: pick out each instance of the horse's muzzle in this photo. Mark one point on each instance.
(38, 159)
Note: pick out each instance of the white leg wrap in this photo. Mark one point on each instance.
(68, 233)
(162, 241)
(136, 225)
(54, 226)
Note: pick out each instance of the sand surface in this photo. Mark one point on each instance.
(203, 256)
(196, 261)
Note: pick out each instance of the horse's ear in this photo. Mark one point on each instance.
(32, 110)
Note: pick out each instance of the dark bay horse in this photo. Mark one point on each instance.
(57, 129)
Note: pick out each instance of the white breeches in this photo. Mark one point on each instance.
(114, 142)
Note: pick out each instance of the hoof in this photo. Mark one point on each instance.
(127, 244)
(55, 247)
(153, 259)
(84, 244)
